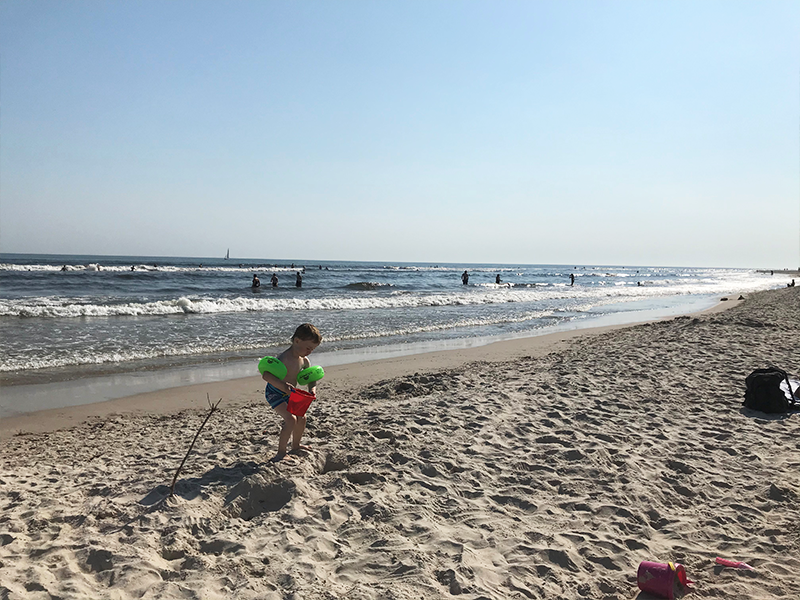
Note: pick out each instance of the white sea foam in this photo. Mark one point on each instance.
(50, 307)
(86, 357)
(145, 268)
(231, 268)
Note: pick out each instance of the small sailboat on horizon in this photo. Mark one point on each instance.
(228, 254)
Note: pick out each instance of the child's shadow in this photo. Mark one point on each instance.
(190, 488)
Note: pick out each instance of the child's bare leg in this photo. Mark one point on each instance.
(297, 433)
(289, 424)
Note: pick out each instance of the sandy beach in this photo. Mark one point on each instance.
(536, 468)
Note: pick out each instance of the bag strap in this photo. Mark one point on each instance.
(792, 400)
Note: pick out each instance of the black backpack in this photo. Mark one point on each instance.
(764, 393)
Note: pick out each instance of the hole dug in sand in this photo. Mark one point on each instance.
(94, 560)
(364, 477)
(256, 495)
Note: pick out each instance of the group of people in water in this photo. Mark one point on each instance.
(498, 281)
(465, 278)
(274, 280)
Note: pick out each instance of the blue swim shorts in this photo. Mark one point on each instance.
(274, 396)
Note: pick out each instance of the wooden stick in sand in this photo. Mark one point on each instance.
(212, 408)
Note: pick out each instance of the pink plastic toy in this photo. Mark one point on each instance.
(665, 580)
(736, 564)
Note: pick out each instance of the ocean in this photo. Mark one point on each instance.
(72, 317)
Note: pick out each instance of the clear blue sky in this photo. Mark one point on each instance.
(572, 132)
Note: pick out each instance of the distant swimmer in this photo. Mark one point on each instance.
(299, 281)
(64, 268)
(274, 280)
(133, 267)
(572, 278)
(256, 281)
(465, 278)
(497, 279)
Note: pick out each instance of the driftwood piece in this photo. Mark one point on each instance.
(212, 407)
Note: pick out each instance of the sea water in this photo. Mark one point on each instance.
(70, 317)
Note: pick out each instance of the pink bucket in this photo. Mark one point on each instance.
(662, 580)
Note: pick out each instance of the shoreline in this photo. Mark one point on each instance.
(191, 395)
(187, 369)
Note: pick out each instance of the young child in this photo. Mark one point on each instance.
(305, 340)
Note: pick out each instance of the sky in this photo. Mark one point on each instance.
(533, 132)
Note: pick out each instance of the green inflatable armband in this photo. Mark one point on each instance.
(310, 375)
(270, 364)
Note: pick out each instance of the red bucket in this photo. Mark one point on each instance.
(299, 401)
(662, 580)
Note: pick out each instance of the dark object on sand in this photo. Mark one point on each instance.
(764, 391)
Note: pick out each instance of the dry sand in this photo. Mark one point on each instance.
(527, 469)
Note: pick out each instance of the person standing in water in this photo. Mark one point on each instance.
(299, 281)
(465, 278)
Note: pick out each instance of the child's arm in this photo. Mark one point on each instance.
(312, 387)
(277, 383)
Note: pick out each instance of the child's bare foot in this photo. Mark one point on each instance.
(279, 457)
